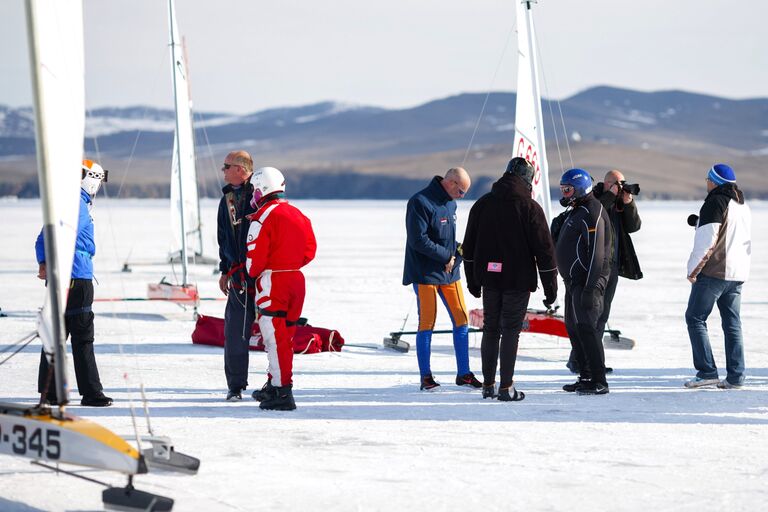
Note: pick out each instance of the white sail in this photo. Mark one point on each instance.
(529, 126)
(185, 208)
(56, 56)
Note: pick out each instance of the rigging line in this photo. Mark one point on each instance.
(551, 115)
(22, 344)
(216, 174)
(485, 101)
(549, 104)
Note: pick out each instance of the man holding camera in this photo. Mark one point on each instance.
(616, 196)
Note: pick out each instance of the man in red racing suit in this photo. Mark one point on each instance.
(280, 241)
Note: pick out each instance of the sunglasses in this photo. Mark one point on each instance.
(96, 175)
(226, 167)
(566, 189)
(458, 188)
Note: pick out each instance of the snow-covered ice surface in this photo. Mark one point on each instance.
(364, 437)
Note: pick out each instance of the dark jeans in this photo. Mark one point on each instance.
(238, 321)
(504, 312)
(586, 342)
(705, 293)
(78, 322)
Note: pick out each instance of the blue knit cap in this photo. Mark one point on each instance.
(721, 174)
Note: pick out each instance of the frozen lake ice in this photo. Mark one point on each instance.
(364, 437)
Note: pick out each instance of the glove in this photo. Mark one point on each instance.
(474, 291)
(589, 297)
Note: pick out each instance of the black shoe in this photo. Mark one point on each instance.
(96, 401)
(588, 387)
(468, 379)
(428, 383)
(281, 401)
(608, 369)
(506, 396)
(266, 392)
(234, 395)
(489, 391)
(570, 388)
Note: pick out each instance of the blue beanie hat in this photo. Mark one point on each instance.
(721, 174)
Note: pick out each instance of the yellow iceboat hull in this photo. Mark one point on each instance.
(42, 434)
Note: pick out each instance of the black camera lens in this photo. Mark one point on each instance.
(632, 188)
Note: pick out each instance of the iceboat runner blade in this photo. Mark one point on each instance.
(129, 499)
(163, 456)
(395, 343)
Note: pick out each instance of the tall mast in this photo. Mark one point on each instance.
(176, 61)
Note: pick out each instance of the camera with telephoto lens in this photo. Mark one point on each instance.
(630, 188)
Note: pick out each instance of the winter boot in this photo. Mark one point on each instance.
(489, 391)
(281, 401)
(429, 384)
(98, 400)
(510, 394)
(266, 392)
(468, 380)
(234, 395)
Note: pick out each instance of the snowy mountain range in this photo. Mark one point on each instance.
(604, 128)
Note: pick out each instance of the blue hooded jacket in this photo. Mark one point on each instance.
(430, 221)
(85, 246)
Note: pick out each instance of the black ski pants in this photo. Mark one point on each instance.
(586, 341)
(610, 291)
(239, 316)
(504, 312)
(78, 322)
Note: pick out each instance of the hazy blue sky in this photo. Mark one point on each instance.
(247, 55)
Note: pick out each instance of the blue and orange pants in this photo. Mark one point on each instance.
(453, 299)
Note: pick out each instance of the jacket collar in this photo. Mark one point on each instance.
(728, 189)
(509, 187)
(437, 192)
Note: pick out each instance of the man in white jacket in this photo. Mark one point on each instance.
(717, 268)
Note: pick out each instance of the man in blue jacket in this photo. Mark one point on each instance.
(432, 266)
(78, 315)
(234, 282)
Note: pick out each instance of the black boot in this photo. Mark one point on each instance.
(489, 391)
(97, 400)
(510, 394)
(266, 392)
(281, 401)
(570, 388)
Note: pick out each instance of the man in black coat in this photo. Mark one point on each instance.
(234, 282)
(622, 210)
(584, 247)
(506, 240)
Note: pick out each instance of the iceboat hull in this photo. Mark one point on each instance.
(41, 434)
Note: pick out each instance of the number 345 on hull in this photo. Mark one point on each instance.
(41, 434)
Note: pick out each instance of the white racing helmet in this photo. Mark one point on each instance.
(266, 181)
(93, 175)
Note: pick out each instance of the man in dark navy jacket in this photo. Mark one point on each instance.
(432, 266)
(234, 281)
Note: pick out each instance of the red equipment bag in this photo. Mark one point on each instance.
(209, 330)
(536, 321)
